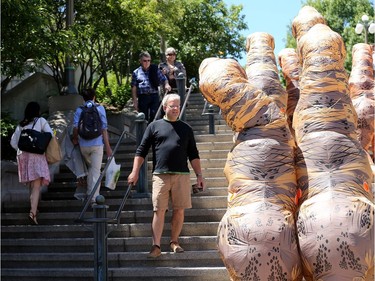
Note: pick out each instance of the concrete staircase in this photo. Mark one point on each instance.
(61, 249)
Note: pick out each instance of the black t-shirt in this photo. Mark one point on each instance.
(173, 143)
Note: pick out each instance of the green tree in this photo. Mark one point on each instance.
(341, 16)
(22, 37)
(208, 29)
(107, 36)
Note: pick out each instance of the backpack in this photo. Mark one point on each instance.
(89, 124)
(153, 76)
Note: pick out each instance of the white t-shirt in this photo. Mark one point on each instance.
(41, 125)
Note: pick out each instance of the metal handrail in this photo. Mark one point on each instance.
(211, 116)
(89, 198)
(160, 107)
(206, 111)
(117, 217)
(193, 84)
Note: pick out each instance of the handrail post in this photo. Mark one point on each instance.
(211, 119)
(100, 240)
(142, 190)
(181, 85)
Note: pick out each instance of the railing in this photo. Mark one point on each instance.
(142, 191)
(193, 84)
(88, 200)
(101, 221)
(181, 89)
(211, 116)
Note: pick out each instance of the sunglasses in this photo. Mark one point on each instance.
(173, 106)
(171, 54)
(146, 60)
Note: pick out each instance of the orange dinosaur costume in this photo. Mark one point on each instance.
(323, 185)
(257, 235)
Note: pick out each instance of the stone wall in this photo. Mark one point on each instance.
(38, 87)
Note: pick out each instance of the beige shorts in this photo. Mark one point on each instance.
(171, 186)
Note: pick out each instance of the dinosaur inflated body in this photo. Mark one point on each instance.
(257, 235)
(361, 88)
(288, 61)
(320, 180)
(335, 219)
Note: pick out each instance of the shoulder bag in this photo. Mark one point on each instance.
(34, 141)
(53, 151)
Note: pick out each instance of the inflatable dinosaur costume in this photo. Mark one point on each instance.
(257, 236)
(319, 181)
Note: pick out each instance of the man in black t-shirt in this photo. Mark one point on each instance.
(173, 144)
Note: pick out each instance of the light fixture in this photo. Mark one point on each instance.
(365, 25)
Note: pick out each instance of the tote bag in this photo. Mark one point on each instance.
(112, 174)
(34, 141)
(53, 151)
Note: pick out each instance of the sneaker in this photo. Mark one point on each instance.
(175, 247)
(80, 196)
(80, 192)
(155, 252)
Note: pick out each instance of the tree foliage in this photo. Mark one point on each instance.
(107, 36)
(217, 24)
(342, 16)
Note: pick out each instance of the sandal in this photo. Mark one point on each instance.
(82, 182)
(32, 218)
(155, 252)
(175, 247)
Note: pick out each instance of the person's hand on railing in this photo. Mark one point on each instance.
(133, 178)
(193, 82)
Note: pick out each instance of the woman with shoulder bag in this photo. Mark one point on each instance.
(32, 167)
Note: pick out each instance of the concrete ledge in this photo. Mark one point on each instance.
(11, 189)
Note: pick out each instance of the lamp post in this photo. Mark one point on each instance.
(69, 68)
(365, 25)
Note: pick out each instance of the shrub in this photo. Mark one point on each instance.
(114, 94)
(8, 125)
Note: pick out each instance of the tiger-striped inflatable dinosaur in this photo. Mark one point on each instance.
(335, 219)
(328, 176)
(257, 235)
(361, 88)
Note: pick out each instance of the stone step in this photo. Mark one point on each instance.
(129, 216)
(200, 128)
(198, 201)
(216, 170)
(67, 193)
(202, 258)
(126, 158)
(213, 145)
(118, 274)
(116, 244)
(219, 128)
(70, 186)
(121, 230)
(214, 138)
(214, 162)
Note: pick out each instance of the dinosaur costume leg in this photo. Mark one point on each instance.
(257, 235)
(362, 91)
(335, 220)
